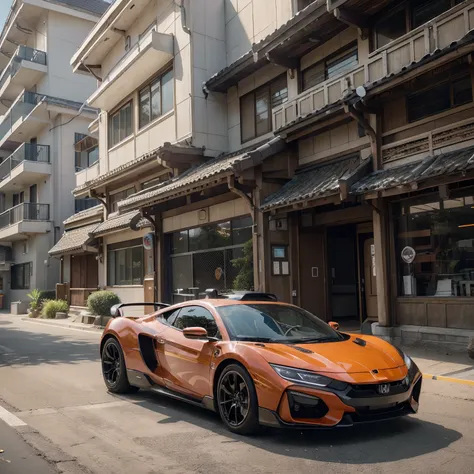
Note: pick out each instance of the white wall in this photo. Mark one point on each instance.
(249, 21)
(64, 36)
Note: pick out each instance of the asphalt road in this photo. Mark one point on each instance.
(50, 380)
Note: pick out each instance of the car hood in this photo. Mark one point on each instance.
(335, 357)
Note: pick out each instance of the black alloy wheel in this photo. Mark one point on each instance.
(237, 400)
(113, 368)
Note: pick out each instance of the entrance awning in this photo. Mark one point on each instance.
(315, 184)
(401, 179)
(119, 222)
(73, 240)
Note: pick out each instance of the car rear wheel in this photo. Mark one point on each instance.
(113, 368)
(237, 400)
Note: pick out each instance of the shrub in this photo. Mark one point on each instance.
(47, 295)
(51, 307)
(100, 302)
(35, 299)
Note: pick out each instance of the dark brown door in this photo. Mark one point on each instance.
(84, 271)
(313, 272)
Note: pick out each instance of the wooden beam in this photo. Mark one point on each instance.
(289, 63)
(354, 19)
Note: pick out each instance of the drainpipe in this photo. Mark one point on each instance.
(358, 116)
(253, 214)
(152, 221)
(94, 195)
(184, 26)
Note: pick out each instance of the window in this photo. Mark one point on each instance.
(336, 65)
(441, 234)
(115, 198)
(155, 181)
(439, 98)
(120, 124)
(169, 316)
(84, 203)
(20, 277)
(406, 17)
(156, 99)
(125, 263)
(196, 316)
(256, 108)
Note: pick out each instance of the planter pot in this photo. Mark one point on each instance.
(34, 313)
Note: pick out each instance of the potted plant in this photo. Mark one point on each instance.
(35, 303)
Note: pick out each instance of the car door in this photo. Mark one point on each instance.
(186, 362)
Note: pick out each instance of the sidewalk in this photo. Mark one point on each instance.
(64, 323)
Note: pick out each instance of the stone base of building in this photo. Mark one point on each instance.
(454, 340)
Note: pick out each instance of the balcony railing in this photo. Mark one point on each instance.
(438, 33)
(26, 152)
(22, 107)
(27, 211)
(23, 53)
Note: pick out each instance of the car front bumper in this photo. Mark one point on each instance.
(342, 409)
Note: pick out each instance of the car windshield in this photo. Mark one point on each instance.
(275, 323)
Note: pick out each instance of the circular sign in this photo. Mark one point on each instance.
(148, 241)
(218, 273)
(408, 254)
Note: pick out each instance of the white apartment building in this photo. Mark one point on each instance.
(42, 115)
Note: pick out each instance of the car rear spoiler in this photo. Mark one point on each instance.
(242, 296)
(116, 313)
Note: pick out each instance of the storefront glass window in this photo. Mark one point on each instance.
(125, 263)
(438, 235)
(217, 256)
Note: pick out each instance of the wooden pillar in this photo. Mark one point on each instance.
(259, 235)
(159, 259)
(382, 245)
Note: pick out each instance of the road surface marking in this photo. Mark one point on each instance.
(10, 418)
(449, 379)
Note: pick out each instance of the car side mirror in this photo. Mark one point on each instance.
(195, 333)
(115, 311)
(334, 325)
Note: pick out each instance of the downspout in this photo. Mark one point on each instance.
(94, 195)
(358, 116)
(253, 214)
(184, 26)
(152, 221)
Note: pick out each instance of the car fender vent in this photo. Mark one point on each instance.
(359, 342)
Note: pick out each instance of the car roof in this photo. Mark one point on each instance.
(228, 302)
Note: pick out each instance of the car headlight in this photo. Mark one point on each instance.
(301, 376)
(411, 366)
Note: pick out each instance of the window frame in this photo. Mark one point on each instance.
(119, 247)
(124, 193)
(184, 309)
(148, 88)
(26, 277)
(450, 81)
(341, 53)
(254, 93)
(111, 117)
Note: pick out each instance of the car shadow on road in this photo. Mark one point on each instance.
(389, 441)
(22, 347)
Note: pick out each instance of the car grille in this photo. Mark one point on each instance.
(371, 390)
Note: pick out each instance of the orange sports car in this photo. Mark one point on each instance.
(257, 361)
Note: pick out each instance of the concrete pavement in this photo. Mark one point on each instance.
(50, 380)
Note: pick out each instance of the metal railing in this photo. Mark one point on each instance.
(22, 53)
(22, 107)
(26, 211)
(437, 34)
(26, 152)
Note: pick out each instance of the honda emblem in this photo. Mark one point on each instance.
(384, 388)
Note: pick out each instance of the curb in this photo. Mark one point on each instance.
(449, 379)
(45, 322)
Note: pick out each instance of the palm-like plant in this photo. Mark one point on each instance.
(35, 299)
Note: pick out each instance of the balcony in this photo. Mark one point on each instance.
(26, 218)
(26, 165)
(25, 69)
(25, 118)
(437, 34)
(152, 52)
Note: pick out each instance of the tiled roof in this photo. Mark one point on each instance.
(312, 183)
(86, 213)
(118, 222)
(96, 7)
(72, 240)
(222, 165)
(443, 164)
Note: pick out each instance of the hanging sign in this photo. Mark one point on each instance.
(408, 254)
(218, 272)
(148, 241)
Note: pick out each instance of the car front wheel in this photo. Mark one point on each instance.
(237, 400)
(113, 368)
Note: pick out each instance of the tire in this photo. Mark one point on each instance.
(114, 370)
(239, 411)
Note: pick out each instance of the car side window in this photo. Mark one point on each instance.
(169, 316)
(197, 316)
